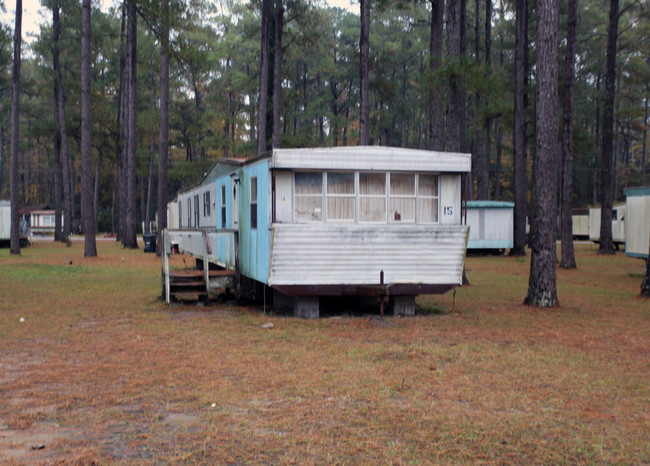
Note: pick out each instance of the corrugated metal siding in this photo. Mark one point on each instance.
(618, 225)
(368, 158)
(637, 225)
(491, 227)
(355, 254)
(5, 220)
(222, 245)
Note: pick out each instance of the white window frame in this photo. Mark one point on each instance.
(353, 196)
(320, 195)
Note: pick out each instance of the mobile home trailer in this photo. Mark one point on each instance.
(637, 223)
(310, 223)
(618, 224)
(490, 225)
(5, 221)
(580, 221)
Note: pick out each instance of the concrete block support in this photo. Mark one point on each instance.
(402, 305)
(306, 307)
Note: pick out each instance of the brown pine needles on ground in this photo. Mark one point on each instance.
(100, 370)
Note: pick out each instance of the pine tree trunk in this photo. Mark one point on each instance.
(277, 77)
(606, 243)
(364, 47)
(163, 139)
(568, 260)
(87, 195)
(542, 287)
(58, 175)
(120, 149)
(436, 106)
(453, 52)
(14, 240)
(519, 133)
(130, 238)
(645, 284)
(264, 80)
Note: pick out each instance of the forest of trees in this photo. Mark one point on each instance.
(432, 75)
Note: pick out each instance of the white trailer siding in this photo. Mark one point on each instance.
(5, 220)
(637, 222)
(491, 224)
(618, 224)
(356, 254)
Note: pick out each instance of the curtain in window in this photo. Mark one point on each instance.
(402, 197)
(428, 199)
(340, 196)
(372, 197)
(309, 197)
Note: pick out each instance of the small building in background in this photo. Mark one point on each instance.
(41, 221)
(491, 225)
(5, 220)
(637, 223)
(580, 221)
(618, 224)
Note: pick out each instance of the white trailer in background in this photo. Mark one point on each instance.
(618, 224)
(5, 221)
(580, 221)
(490, 225)
(637, 223)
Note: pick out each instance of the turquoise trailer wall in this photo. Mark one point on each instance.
(254, 243)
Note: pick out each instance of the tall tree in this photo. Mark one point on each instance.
(14, 241)
(264, 80)
(163, 138)
(519, 132)
(436, 107)
(606, 178)
(645, 284)
(542, 287)
(58, 174)
(130, 239)
(453, 54)
(87, 195)
(364, 73)
(568, 260)
(277, 76)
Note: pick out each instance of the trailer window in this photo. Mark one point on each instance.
(189, 212)
(402, 197)
(372, 197)
(223, 206)
(427, 199)
(206, 204)
(309, 197)
(340, 196)
(196, 211)
(253, 202)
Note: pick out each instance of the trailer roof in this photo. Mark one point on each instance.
(640, 191)
(370, 158)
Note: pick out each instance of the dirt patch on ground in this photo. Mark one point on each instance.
(94, 368)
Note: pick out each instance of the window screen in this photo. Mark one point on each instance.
(254, 202)
(223, 206)
(402, 197)
(340, 196)
(372, 197)
(309, 197)
(428, 199)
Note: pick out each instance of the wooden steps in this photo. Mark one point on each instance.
(190, 284)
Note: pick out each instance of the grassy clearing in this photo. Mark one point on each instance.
(101, 370)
